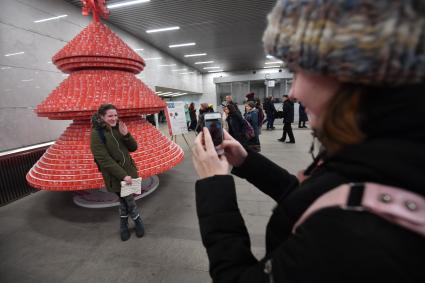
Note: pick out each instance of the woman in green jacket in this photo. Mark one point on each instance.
(110, 144)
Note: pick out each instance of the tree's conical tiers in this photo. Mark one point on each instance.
(79, 96)
(68, 165)
(98, 47)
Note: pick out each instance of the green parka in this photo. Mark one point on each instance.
(113, 156)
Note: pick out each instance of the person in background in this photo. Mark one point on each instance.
(235, 124)
(365, 103)
(250, 97)
(251, 115)
(288, 119)
(270, 112)
(229, 100)
(302, 116)
(205, 108)
(192, 114)
(187, 115)
(261, 115)
(111, 144)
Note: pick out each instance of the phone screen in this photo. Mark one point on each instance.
(216, 130)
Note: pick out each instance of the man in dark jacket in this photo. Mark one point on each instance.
(288, 118)
(270, 112)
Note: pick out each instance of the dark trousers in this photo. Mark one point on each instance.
(270, 121)
(287, 129)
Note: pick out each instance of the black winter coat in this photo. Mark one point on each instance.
(333, 245)
(288, 111)
(302, 113)
(237, 127)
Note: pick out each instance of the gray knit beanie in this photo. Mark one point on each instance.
(374, 42)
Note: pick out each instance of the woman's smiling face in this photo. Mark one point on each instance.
(111, 117)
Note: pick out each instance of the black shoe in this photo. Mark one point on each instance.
(290, 142)
(281, 140)
(124, 232)
(273, 128)
(139, 227)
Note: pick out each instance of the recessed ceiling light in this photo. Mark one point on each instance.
(187, 73)
(139, 49)
(182, 45)
(179, 70)
(215, 71)
(195, 55)
(28, 80)
(206, 68)
(5, 68)
(269, 67)
(153, 58)
(273, 62)
(50, 19)
(162, 29)
(13, 54)
(205, 62)
(169, 65)
(270, 57)
(127, 3)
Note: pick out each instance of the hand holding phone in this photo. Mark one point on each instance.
(214, 123)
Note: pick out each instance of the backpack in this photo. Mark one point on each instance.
(396, 205)
(249, 130)
(260, 117)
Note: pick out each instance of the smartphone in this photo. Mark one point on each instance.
(214, 123)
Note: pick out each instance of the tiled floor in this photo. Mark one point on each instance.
(46, 238)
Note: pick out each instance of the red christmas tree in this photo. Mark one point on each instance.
(102, 69)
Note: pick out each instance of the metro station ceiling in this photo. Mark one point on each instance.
(229, 31)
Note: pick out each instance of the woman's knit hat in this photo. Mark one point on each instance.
(375, 42)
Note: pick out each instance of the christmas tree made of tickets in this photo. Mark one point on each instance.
(102, 69)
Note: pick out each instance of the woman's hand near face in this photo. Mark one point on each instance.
(234, 151)
(205, 159)
(122, 128)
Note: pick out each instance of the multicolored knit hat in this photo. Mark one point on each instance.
(375, 42)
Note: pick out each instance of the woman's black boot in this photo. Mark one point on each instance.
(124, 232)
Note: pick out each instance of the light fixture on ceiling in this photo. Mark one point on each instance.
(139, 49)
(126, 3)
(162, 29)
(179, 70)
(169, 65)
(28, 80)
(269, 67)
(204, 62)
(216, 71)
(206, 68)
(187, 73)
(270, 57)
(195, 55)
(50, 19)
(152, 58)
(273, 62)
(5, 68)
(182, 44)
(13, 54)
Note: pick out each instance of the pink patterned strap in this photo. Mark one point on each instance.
(396, 205)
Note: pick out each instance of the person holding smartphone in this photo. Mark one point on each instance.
(111, 144)
(359, 72)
